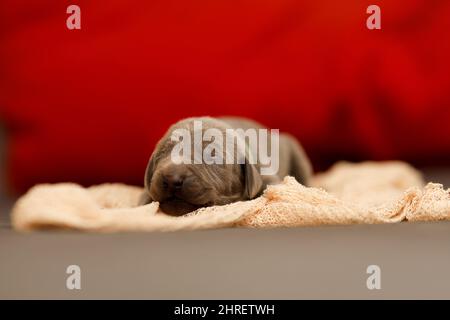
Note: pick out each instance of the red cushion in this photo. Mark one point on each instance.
(89, 105)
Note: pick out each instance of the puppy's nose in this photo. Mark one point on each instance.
(172, 182)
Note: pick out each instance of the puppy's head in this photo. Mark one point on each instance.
(182, 188)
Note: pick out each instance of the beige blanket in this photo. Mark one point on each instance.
(368, 192)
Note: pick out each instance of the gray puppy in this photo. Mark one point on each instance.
(184, 187)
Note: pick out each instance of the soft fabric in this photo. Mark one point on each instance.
(89, 105)
(356, 193)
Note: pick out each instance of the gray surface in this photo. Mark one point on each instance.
(324, 262)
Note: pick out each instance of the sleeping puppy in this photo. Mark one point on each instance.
(183, 181)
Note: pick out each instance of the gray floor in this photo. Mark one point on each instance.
(325, 262)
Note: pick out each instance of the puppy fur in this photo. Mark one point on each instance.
(192, 186)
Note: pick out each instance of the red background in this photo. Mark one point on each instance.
(89, 105)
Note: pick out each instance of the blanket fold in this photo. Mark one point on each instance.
(368, 192)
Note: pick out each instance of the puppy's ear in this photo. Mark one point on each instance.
(145, 198)
(149, 171)
(253, 180)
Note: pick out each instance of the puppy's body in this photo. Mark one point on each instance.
(181, 188)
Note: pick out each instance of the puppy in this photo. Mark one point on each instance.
(182, 187)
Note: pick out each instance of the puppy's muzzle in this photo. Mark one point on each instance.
(176, 189)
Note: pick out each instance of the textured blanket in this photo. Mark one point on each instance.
(368, 192)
